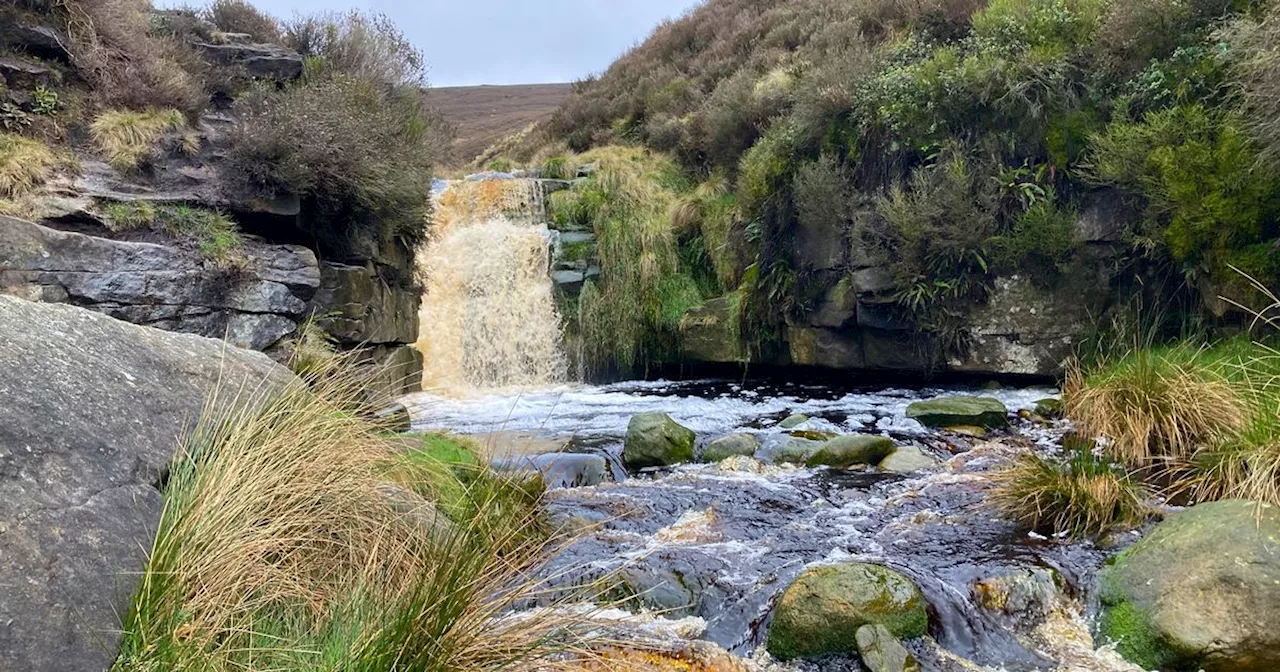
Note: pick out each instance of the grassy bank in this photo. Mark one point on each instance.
(1189, 422)
(296, 534)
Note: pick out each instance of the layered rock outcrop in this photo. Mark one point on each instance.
(92, 410)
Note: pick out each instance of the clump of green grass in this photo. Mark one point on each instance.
(1157, 404)
(556, 168)
(293, 537)
(214, 234)
(130, 138)
(1083, 495)
(24, 164)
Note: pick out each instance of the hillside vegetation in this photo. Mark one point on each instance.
(952, 141)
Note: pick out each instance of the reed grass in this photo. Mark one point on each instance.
(1083, 495)
(293, 537)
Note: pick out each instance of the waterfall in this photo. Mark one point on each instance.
(489, 317)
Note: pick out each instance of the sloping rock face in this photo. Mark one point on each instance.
(91, 412)
(162, 286)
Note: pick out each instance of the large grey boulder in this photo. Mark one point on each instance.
(163, 286)
(846, 451)
(91, 411)
(739, 444)
(655, 440)
(264, 61)
(1201, 591)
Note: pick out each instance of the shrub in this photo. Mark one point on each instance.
(1083, 495)
(822, 195)
(1039, 241)
(130, 139)
(356, 45)
(291, 538)
(1255, 50)
(350, 146)
(128, 65)
(1156, 405)
(24, 164)
(238, 16)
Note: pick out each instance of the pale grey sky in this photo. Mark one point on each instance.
(469, 42)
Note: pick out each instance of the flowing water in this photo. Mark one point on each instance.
(720, 542)
(488, 317)
(715, 545)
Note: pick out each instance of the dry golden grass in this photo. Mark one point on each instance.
(24, 164)
(128, 138)
(1154, 405)
(1081, 496)
(293, 537)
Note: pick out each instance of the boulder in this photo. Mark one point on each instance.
(740, 444)
(792, 421)
(560, 470)
(91, 411)
(908, 460)
(1049, 408)
(820, 612)
(263, 61)
(655, 440)
(882, 652)
(1201, 591)
(794, 451)
(960, 411)
(846, 451)
(163, 286)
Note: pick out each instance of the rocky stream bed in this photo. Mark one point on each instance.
(706, 550)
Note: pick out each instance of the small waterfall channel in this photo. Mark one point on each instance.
(489, 318)
(709, 549)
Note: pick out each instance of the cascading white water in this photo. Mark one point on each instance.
(489, 317)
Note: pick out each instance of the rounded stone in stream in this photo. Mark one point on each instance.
(655, 440)
(1201, 591)
(561, 470)
(793, 421)
(740, 445)
(793, 451)
(959, 411)
(882, 652)
(820, 612)
(908, 460)
(1049, 408)
(847, 451)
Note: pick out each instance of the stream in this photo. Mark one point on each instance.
(719, 543)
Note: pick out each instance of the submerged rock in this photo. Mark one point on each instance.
(907, 460)
(960, 411)
(91, 412)
(820, 612)
(882, 652)
(655, 440)
(794, 451)
(1201, 591)
(847, 451)
(1049, 408)
(740, 444)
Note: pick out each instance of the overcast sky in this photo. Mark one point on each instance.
(470, 42)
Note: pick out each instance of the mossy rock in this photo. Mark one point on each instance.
(740, 444)
(846, 451)
(1049, 408)
(793, 421)
(820, 612)
(882, 652)
(655, 440)
(794, 451)
(959, 412)
(1201, 591)
(908, 460)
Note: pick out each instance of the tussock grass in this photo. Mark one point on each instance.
(24, 164)
(212, 233)
(293, 537)
(130, 138)
(1156, 404)
(1084, 495)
